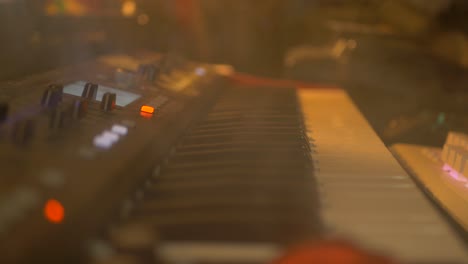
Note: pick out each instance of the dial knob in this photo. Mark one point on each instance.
(3, 111)
(125, 78)
(23, 131)
(90, 91)
(80, 108)
(108, 101)
(52, 96)
(148, 72)
(60, 117)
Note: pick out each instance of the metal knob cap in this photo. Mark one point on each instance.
(90, 91)
(52, 96)
(108, 102)
(80, 108)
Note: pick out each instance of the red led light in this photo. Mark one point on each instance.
(54, 211)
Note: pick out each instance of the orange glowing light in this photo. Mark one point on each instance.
(54, 211)
(147, 109)
(337, 252)
(128, 8)
(146, 115)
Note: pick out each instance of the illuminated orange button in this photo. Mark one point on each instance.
(146, 115)
(147, 109)
(54, 211)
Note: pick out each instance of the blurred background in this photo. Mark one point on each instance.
(404, 62)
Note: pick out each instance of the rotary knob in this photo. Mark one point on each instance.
(52, 96)
(90, 91)
(80, 108)
(60, 117)
(23, 131)
(125, 78)
(108, 102)
(148, 72)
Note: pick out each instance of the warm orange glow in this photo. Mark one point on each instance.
(128, 8)
(146, 115)
(147, 109)
(68, 7)
(54, 211)
(336, 252)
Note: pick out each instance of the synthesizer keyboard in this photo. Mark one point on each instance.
(76, 141)
(148, 159)
(442, 173)
(365, 195)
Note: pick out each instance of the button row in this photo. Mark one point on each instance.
(108, 138)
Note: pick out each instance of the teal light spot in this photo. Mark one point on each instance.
(441, 118)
